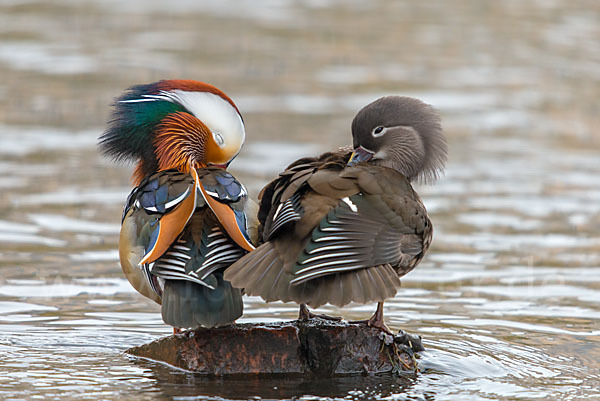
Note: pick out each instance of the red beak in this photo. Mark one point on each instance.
(223, 166)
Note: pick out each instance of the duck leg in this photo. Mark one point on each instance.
(376, 320)
(305, 314)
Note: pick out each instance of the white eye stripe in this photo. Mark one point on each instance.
(378, 131)
(384, 130)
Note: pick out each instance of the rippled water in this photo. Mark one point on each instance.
(508, 298)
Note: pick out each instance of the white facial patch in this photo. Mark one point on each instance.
(216, 113)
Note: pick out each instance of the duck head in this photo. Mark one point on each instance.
(401, 133)
(173, 124)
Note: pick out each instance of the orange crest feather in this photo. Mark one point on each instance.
(180, 141)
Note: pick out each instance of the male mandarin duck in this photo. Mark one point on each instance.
(345, 226)
(187, 219)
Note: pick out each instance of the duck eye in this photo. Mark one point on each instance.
(378, 131)
(219, 139)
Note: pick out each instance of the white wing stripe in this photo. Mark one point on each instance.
(219, 249)
(277, 211)
(322, 239)
(330, 248)
(217, 242)
(305, 277)
(175, 201)
(209, 268)
(179, 255)
(329, 255)
(167, 268)
(287, 213)
(215, 258)
(284, 219)
(174, 276)
(174, 262)
(330, 263)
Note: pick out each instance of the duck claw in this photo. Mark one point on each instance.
(305, 314)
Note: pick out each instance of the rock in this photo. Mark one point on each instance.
(319, 347)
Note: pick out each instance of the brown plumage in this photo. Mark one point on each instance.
(389, 208)
(344, 227)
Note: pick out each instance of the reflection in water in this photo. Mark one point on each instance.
(176, 383)
(507, 300)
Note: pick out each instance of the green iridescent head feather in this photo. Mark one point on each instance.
(132, 126)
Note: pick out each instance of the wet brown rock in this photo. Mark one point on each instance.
(318, 347)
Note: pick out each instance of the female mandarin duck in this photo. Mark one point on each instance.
(187, 219)
(345, 226)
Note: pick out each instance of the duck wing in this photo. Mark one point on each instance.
(380, 220)
(342, 234)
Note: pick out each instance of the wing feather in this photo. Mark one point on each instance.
(360, 232)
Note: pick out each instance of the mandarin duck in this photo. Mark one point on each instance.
(187, 219)
(345, 226)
